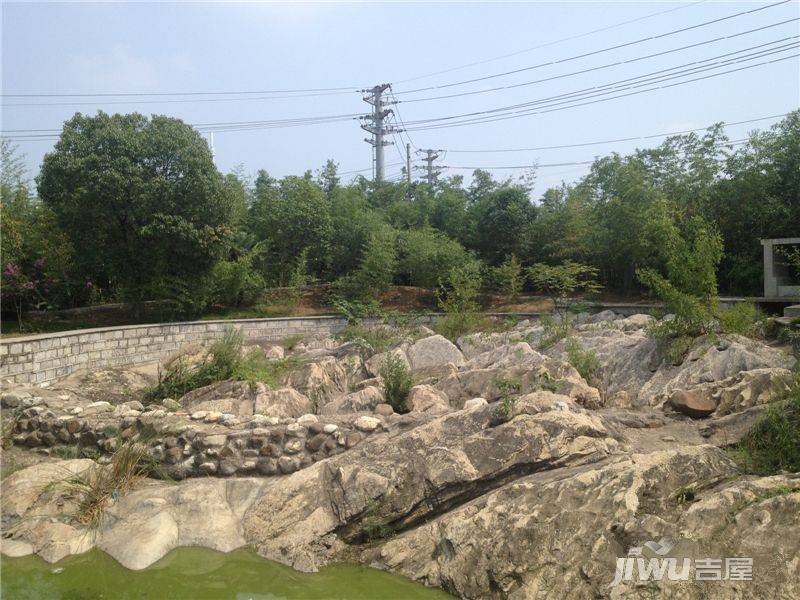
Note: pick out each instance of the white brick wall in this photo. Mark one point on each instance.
(43, 358)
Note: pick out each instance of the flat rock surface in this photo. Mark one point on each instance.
(510, 476)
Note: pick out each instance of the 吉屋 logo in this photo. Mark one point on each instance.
(636, 567)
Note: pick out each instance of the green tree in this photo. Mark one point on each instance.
(142, 200)
(378, 263)
(328, 179)
(500, 223)
(509, 278)
(563, 281)
(424, 254)
(689, 288)
(353, 220)
(291, 215)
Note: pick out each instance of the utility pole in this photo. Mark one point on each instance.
(408, 165)
(376, 126)
(211, 144)
(432, 172)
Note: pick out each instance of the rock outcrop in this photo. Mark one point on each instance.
(510, 476)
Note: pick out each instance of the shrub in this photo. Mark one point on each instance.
(459, 293)
(508, 388)
(584, 361)
(379, 338)
(396, 382)
(378, 264)
(458, 299)
(424, 254)
(453, 326)
(742, 318)
(689, 289)
(509, 278)
(773, 443)
(255, 367)
(224, 360)
(299, 278)
(354, 310)
(564, 280)
(236, 282)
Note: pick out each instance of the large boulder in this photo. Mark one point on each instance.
(281, 403)
(434, 351)
(22, 489)
(495, 383)
(229, 388)
(555, 543)
(374, 364)
(633, 363)
(389, 482)
(362, 400)
(146, 524)
(507, 355)
(425, 398)
(713, 360)
(692, 403)
(733, 394)
(137, 529)
(324, 380)
(114, 385)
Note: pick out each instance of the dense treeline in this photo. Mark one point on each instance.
(132, 209)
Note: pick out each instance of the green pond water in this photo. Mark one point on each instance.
(198, 573)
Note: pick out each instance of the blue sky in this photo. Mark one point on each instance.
(165, 47)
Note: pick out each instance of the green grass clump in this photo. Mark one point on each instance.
(256, 368)
(584, 361)
(225, 360)
(742, 318)
(454, 325)
(380, 338)
(773, 443)
(554, 330)
(94, 489)
(509, 388)
(397, 382)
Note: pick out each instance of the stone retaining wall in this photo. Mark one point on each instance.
(180, 450)
(41, 359)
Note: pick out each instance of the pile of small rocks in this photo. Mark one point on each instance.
(184, 445)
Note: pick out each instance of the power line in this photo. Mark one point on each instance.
(535, 165)
(611, 141)
(518, 114)
(554, 42)
(594, 52)
(365, 170)
(601, 67)
(179, 101)
(530, 166)
(206, 127)
(646, 77)
(344, 90)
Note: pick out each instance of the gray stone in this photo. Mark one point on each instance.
(209, 468)
(307, 419)
(367, 424)
(434, 351)
(267, 466)
(316, 442)
(288, 464)
(475, 403)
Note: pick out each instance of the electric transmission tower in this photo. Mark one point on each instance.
(375, 125)
(432, 173)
